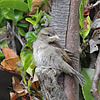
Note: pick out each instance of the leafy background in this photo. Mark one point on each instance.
(16, 17)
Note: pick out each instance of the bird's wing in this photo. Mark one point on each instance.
(64, 55)
(60, 51)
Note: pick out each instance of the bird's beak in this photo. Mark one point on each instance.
(54, 37)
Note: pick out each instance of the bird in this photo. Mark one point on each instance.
(48, 52)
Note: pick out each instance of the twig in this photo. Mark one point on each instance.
(13, 33)
(30, 27)
(93, 5)
(95, 81)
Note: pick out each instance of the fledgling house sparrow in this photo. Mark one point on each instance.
(47, 52)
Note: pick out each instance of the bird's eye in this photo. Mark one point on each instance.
(48, 34)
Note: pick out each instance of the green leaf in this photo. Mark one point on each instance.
(18, 15)
(21, 31)
(88, 75)
(27, 59)
(5, 10)
(31, 21)
(2, 29)
(14, 4)
(22, 25)
(45, 1)
(1, 56)
(31, 37)
(35, 19)
(1, 15)
(19, 63)
(14, 15)
(29, 85)
(3, 43)
(21, 70)
(30, 70)
(83, 31)
(9, 15)
(29, 4)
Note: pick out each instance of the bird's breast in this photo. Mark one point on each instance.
(42, 56)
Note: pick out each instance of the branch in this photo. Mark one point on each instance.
(48, 82)
(19, 38)
(73, 45)
(30, 27)
(93, 5)
(95, 81)
(10, 40)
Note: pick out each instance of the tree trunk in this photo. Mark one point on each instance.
(64, 17)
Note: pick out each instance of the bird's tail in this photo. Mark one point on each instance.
(80, 77)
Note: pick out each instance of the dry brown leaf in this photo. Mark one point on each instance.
(10, 60)
(9, 53)
(45, 7)
(10, 63)
(35, 83)
(5, 65)
(35, 78)
(13, 96)
(37, 2)
(19, 88)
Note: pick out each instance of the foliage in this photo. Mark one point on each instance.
(31, 37)
(14, 4)
(88, 74)
(17, 12)
(84, 22)
(1, 56)
(3, 43)
(38, 19)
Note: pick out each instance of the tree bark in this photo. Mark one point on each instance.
(64, 17)
(59, 17)
(73, 45)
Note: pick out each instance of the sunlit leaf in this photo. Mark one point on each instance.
(31, 21)
(84, 22)
(27, 59)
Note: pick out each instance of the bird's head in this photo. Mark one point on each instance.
(48, 35)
